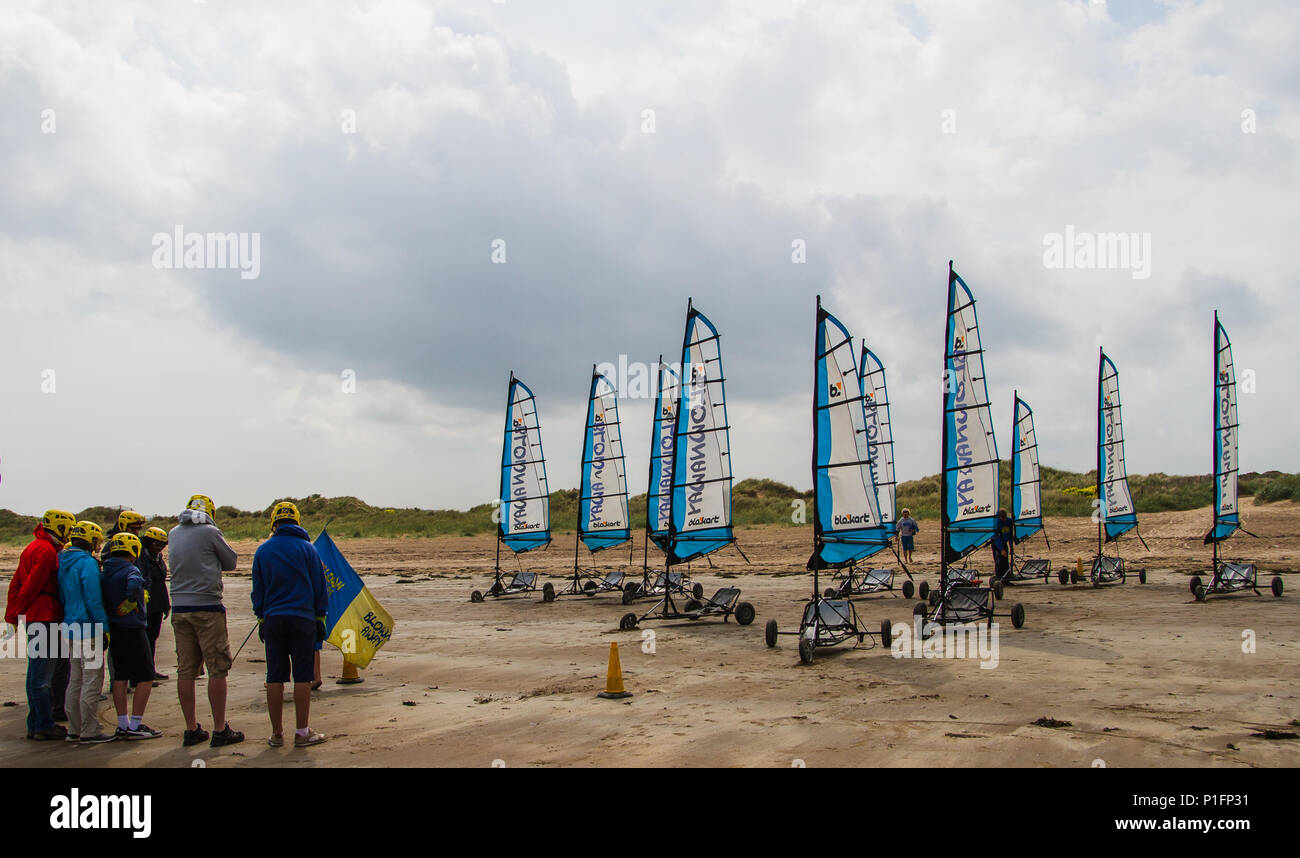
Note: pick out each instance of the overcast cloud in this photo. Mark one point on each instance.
(821, 121)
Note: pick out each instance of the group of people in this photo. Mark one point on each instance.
(90, 599)
(1004, 537)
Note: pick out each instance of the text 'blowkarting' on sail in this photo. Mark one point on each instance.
(525, 499)
(1115, 499)
(602, 504)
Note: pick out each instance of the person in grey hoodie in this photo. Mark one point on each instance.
(199, 555)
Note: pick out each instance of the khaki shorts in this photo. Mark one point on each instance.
(201, 640)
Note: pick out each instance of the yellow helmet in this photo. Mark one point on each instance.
(128, 542)
(87, 531)
(284, 511)
(157, 534)
(58, 523)
(128, 517)
(203, 503)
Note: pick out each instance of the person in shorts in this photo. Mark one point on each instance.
(907, 530)
(125, 599)
(198, 555)
(290, 602)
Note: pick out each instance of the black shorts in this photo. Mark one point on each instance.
(289, 639)
(128, 654)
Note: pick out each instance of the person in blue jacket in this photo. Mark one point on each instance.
(126, 597)
(86, 625)
(290, 602)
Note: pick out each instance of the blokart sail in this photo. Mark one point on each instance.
(1117, 514)
(1227, 577)
(524, 510)
(1026, 494)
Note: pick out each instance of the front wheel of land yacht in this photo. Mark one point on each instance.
(1018, 615)
(745, 613)
(1277, 586)
(805, 650)
(628, 622)
(934, 599)
(769, 633)
(1063, 576)
(476, 596)
(923, 591)
(908, 589)
(1199, 592)
(829, 592)
(548, 592)
(1194, 583)
(629, 595)
(692, 605)
(919, 611)
(698, 591)
(1142, 576)
(886, 633)
(997, 590)
(589, 588)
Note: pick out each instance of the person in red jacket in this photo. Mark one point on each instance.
(34, 599)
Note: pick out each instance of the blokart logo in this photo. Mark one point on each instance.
(605, 525)
(851, 518)
(711, 519)
(976, 509)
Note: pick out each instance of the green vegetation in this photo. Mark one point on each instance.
(753, 502)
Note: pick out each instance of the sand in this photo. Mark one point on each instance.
(1144, 674)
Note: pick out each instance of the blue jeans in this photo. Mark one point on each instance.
(40, 673)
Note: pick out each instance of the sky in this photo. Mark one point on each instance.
(441, 193)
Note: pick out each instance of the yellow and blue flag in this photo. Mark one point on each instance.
(356, 623)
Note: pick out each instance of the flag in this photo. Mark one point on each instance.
(356, 623)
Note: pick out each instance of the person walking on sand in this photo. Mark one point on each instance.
(1001, 544)
(290, 602)
(126, 600)
(86, 624)
(199, 555)
(154, 568)
(907, 530)
(34, 600)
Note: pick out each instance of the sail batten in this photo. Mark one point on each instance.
(1227, 515)
(970, 453)
(525, 497)
(1026, 482)
(1119, 515)
(603, 520)
(663, 428)
(700, 520)
(880, 437)
(847, 524)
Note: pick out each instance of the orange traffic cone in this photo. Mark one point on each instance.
(614, 679)
(350, 675)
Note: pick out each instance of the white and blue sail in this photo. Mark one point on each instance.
(602, 502)
(880, 437)
(659, 494)
(1227, 516)
(1115, 500)
(970, 452)
(525, 499)
(1026, 482)
(847, 525)
(701, 492)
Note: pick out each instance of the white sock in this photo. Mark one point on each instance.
(303, 732)
(124, 721)
(135, 721)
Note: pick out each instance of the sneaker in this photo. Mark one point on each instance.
(123, 734)
(97, 739)
(195, 736)
(72, 737)
(144, 731)
(312, 738)
(159, 676)
(226, 736)
(276, 740)
(53, 734)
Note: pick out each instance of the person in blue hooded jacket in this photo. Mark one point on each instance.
(126, 598)
(86, 625)
(290, 601)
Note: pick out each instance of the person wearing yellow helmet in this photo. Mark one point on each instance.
(198, 554)
(290, 601)
(128, 521)
(154, 568)
(33, 599)
(126, 600)
(86, 624)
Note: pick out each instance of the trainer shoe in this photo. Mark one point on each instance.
(72, 737)
(97, 739)
(53, 734)
(144, 731)
(312, 738)
(195, 736)
(276, 740)
(226, 736)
